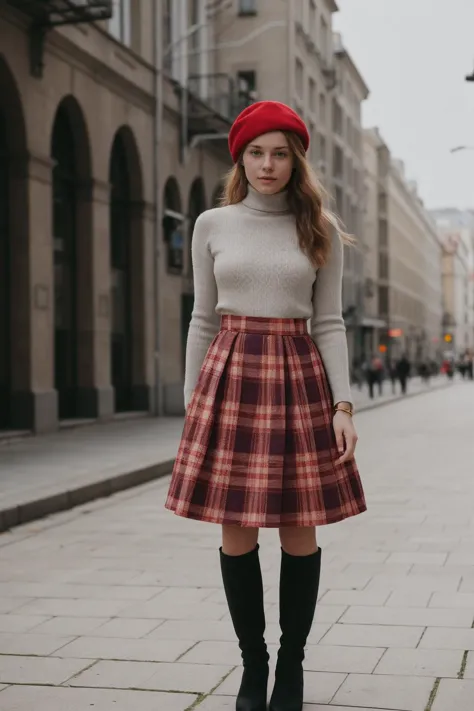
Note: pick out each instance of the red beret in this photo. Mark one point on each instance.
(263, 117)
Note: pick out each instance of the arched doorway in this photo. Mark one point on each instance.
(15, 300)
(127, 263)
(5, 280)
(72, 242)
(121, 277)
(63, 153)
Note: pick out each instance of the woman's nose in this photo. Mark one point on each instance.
(267, 163)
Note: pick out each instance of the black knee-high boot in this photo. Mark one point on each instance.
(243, 587)
(299, 584)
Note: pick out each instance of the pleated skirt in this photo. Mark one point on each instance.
(258, 447)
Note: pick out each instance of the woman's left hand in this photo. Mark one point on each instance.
(346, 436)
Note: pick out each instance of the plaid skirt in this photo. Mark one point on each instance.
(258, 447)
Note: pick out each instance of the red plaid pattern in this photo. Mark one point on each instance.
(258, 448)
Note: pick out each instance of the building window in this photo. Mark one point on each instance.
(120, 24)
(339, 203)
(337, 119)
(299, 78)
(312, 141)
(246, 89)
(312, 96)
(322, 154)
(323, 38)
(167, 36)
(338, 169)
(383, 300)
(322, 108)
(313, 30)
(247, 7)
(194, 58)
(383, 265)
(247, 81)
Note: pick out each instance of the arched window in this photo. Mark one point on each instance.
(173, 227)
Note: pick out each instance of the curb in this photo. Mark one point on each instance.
(63, 501)
(400, 398)
(82, 494)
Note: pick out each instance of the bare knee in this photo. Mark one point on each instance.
(237, 540)
(298, 541)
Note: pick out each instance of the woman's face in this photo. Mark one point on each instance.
(268, 163)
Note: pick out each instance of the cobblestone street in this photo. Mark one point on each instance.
(118, 604)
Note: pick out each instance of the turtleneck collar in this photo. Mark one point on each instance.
(276, 203)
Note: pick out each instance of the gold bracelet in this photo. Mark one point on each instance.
(343, 409)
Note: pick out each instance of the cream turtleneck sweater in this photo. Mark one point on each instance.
(247, 262)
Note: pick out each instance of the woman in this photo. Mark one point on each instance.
(268, 438)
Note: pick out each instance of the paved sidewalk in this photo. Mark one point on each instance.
(49, 473)
(118, 605)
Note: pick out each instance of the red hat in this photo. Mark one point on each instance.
(263, 117)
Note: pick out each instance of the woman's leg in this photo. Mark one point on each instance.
(299, 585)
(243, 585)
(238, 541)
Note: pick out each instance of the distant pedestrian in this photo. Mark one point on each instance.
(375, 375)
(392, 372)
(268, 439)
(448, 368)
(470, 367)
(425, 372)
(403, 372)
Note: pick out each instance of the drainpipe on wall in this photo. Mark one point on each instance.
(158, 203)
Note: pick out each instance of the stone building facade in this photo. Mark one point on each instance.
(456, 233)
(94, 181)
(375, 230)
(414, 279)
(403, 260)
(348, 186)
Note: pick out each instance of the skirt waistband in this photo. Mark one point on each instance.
(264, 326)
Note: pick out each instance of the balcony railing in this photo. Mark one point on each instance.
(46, 14)
(50, 13)
(220, 93)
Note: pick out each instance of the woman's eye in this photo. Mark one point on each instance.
(281, 154)
(255, 152)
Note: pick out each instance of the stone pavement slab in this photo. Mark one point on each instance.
(39, 670)
(195, 678)
(26, 698)
(420, 662)
(389, 692)
(54, 472)
(117, 603)
(454, 695)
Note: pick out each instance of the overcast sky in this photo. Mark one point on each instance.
(414, 55)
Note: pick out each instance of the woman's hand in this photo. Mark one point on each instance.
(346, 436)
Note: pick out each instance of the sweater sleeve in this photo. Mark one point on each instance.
(205, 322)
(327, 324)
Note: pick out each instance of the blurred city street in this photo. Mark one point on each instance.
(117, 604)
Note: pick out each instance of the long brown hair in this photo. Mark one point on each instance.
(314, 222)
